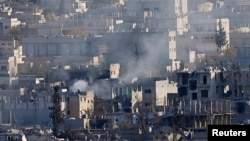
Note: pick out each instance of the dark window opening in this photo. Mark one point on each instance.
(182, 91)
(184, 78)
(192, 84)
(147, 91)
(204, 93)
(205, 79)
(194, 96)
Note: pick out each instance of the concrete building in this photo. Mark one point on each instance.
(200, 39)
(158, 15)
(114, 71)
(80, 105)
(50, 4)
(198, 84)
(6, 24)
(8, 48)
(146, 93)
(240, 42)
(204, 30)
(33, 107)
(55, 46)
(18, 110)
(200, 99)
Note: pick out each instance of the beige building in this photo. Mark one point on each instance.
(114, 70)
(80, 105)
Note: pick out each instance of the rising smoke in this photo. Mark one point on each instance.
(151, 56)
(80, 85)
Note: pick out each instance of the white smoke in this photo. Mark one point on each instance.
(79, 85)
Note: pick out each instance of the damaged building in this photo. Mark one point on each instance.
(200, 99)
(149, 94)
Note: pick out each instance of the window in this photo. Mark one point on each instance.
(194, 96)
(156, 9)
(147, 91)
(204, 79)
(204, 93)
(192, 84)
(3, 67)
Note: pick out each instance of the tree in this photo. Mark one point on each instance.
(57, 115)
(220, 36)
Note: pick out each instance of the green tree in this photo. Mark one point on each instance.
(220, 36)
(57, 115)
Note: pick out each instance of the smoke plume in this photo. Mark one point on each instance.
(79, 85)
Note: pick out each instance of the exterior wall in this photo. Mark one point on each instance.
(53, 4)
(206, 27)
(7, 23)
(163, 88)
(60, 46)
(73, 106)
(4, 68)
(79, 105)
(158, 5)
(15, 111)
(136, 99)
(114, 71)
(172, 45)
(203, 112)
(98, 24)
(14, 61)
(7, 44)
(198, 85)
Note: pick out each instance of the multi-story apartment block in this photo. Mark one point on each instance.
(240, 42)
(204, 30)
(25, 106)
(56, 46)
(198, 84)
(201, 98)
(158, 15)
(200, 38)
